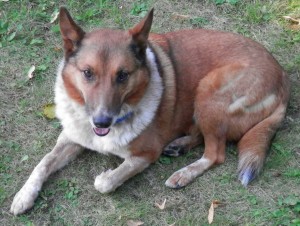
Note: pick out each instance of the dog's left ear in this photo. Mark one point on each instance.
(140, 32)
(71, 33)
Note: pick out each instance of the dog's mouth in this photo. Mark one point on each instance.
(101, 131)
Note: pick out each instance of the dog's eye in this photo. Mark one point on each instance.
(122, 76)
(88, 74)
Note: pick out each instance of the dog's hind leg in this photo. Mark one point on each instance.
(183, 144)
(254, 144)
(214, 153)
(63, 152)
(180, 146)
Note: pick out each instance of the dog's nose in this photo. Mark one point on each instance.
(102, 121)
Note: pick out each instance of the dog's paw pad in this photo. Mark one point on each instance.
(104, 182)
(23, 201)
(180, 179)
(174, 151)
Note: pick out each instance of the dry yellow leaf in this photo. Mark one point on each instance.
(177, 16)
(30, 72)
(49, 111)
(211, 211)
(161, 206)
(54, 17)
(57, 48)
(134, 223)
(293, 20)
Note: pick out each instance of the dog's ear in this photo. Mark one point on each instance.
(71, 33)
(140, 32)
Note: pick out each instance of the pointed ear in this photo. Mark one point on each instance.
(140, 32)
(71, 33)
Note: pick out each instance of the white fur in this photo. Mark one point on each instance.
(187, 174)
(237, 104)
(78, 128)
(265, 103)
(242, 104)
(109, 180)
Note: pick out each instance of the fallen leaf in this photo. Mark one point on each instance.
(36, 41)
(211, 214)
(214, 204)
(11, 36)
(161, 206)
(54, 16)
(30, 72)
(49, 111)
(25, 157)
(134, 223)
(57, 49)
(297, 21)
(177, 16)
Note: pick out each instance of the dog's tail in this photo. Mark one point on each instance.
(254, 144)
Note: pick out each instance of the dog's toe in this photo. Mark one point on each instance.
(180, 179)
(104, 183)
(23, 201)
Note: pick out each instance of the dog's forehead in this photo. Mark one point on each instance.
(105, 48)
(107, 37)
(105, 44)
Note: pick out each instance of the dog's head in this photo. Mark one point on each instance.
(105, 70)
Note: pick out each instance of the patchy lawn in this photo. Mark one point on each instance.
(68, 198)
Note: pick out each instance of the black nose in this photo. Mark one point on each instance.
(102, 121)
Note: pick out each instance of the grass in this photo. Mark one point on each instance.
(68, 198)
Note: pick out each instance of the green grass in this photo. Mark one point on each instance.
(68, 198)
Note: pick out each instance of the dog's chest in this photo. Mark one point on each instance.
(79, 130)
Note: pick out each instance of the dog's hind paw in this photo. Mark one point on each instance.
(23, 200)
(180, 178)
(104, 183)
(174, 151)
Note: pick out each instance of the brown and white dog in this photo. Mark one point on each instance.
(136, 95)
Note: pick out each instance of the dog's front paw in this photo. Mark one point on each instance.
(23, 200)
(105, 182)
(180, 178)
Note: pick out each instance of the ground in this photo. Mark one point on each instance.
(68, 198)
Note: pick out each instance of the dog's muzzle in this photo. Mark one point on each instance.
(102, 124)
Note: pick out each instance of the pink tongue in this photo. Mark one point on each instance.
(101, 131)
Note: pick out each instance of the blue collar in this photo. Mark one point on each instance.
(124, 117)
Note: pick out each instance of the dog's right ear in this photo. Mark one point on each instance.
(71, 33)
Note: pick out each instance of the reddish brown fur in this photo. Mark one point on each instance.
(73, 92)
(220, 85)
(205, 62)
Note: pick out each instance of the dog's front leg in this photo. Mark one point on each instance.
(109, 180)
(63, 152)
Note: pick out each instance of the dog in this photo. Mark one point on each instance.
(137, 94)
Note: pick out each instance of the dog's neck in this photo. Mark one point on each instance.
(125, 117)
